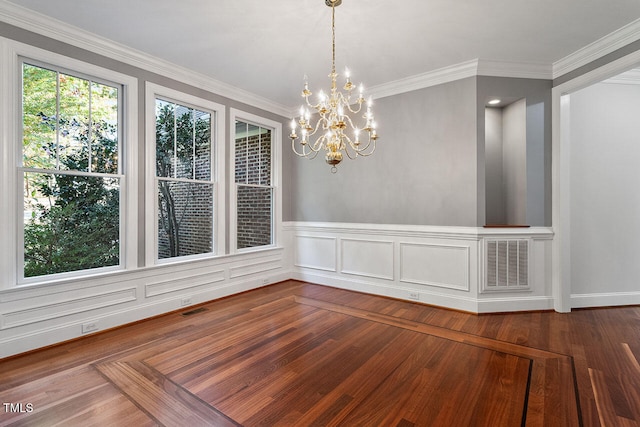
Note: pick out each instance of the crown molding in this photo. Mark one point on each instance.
(46, 26)
(35, 22)
(424, 80)
(521, 70)
(601, 47)
(473, 68)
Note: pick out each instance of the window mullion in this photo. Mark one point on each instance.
(174, 159)
(57, 120)
(193, 144)
(246, 175)
(90, 124)
(260, 155)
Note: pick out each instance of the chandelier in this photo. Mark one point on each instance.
(334, 131)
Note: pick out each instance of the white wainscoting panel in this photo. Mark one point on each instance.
(317, 252)
(56, 310)
(436, 265)
(256, 266)
(369, 258)
(167, 286)
(45, 314)
(444, 266)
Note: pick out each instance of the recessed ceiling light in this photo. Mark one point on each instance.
(494, 102)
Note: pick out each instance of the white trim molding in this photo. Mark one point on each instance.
(10, 87)
(276, 178)
(593, 51)
(36, 316)
(153, 91)
(561, 181)
(463, 70)
(441, 266)
(8, 161)
(610, 299)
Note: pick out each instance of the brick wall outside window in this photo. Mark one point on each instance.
(254, 191)
(185, 187)
(193, 205)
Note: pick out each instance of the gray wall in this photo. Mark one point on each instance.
(538, 135)
(427, 169)
(506, 164)
(515, 162)
(494, 177)
(424, 171)
(604, 177)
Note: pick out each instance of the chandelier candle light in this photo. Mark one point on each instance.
(336, 130)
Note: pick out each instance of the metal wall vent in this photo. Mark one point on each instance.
(507, 264)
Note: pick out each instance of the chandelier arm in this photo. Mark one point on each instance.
(308, 154)
(315, 147)
(363, 154)
(349, 144)
(350, 122)
(318, 123)
(293, 147)
(314, 106)
(356, 111)
(349, 155)
(318, 144)
(346, 101)
(358, 148)
(363, 150)
(312, 155)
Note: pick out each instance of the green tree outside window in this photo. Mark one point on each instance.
(70, 169)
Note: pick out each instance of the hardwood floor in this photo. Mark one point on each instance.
(296, 354)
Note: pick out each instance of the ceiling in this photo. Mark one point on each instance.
(267, 47)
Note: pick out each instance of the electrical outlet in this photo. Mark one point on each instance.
(414, 295)
(185, 302)
(89, 327)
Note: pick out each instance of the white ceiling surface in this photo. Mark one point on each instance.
(266, 47)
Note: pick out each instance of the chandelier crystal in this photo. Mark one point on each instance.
(334, 131)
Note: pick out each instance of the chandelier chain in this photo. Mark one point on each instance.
(333, 38)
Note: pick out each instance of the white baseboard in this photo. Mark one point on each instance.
(611, 299)
(455, 302)
(513, 304)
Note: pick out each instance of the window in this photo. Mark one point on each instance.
(185, 152)
(71, 171)
(254, 183)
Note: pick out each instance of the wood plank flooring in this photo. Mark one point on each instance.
(296, 354)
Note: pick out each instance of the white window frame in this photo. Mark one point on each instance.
(153, 91)
(11, 197)
(276, 179)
